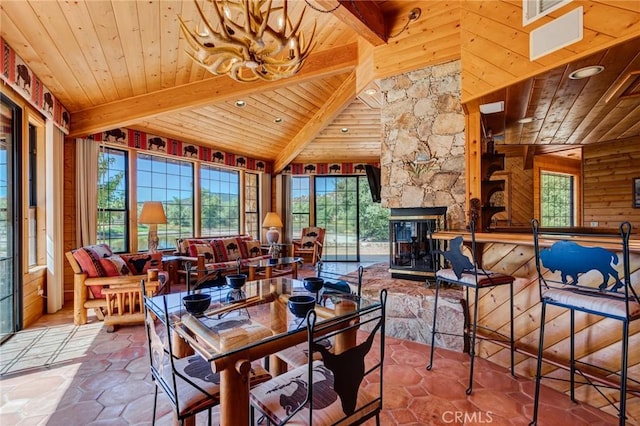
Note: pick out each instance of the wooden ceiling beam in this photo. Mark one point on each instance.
(132, 110)
(367, 20)
(340, 99)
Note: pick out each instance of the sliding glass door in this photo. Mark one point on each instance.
(336, 202)
(10, 136)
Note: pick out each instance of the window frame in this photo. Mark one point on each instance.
(217, 169)
(163, 230)
(124, 210)
(554, 164)
(298, 224)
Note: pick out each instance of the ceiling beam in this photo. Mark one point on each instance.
(528, 154)
(340, 99)
(132, 110)
(367, 20)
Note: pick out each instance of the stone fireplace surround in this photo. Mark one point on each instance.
(422, 118)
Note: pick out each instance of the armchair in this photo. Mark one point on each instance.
(309, 246)
(110, 284)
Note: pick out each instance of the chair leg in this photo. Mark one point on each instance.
(155, 403)
(513, 344)
(623, 373)
(536, 398)
(433, 324)
(572, 355)
(472, 348)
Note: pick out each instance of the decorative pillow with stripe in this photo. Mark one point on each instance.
(226, 249)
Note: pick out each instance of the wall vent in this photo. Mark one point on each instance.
(555, 35)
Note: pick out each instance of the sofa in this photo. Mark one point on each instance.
(224, 253)
(109, 283)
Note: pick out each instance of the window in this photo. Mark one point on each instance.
(169, 181)
(251, 210)
(33, 197)
(113, 217)
(557, 199)
(300, 203)
(535, 9)
(220, 201)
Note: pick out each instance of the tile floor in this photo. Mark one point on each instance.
(86, 376)
(99, 378)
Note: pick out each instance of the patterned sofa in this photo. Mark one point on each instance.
(109, 283)
(220, 253)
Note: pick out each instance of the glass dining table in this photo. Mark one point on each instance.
(251, 323)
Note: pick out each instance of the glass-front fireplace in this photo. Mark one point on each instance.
(411, 246)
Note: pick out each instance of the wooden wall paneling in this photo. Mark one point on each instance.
(33, 304)
(609, 169)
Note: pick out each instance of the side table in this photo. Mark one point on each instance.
(270, 268)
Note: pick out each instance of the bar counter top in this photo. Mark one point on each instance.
(526, 239)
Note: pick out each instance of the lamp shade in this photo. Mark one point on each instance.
(272, 220)
(152, 213)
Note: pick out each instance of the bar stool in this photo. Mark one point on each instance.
(464, 271)
(565, 281)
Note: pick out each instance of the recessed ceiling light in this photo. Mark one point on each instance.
(277, 120)
(345, 130)
(586, 72)
(525, 120)
(241, 103)
(371, 92)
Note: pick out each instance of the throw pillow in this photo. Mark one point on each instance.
(139, 263)
(88, 258)
(226, 249)
(251, 248)
(196, 249)
(114, 265)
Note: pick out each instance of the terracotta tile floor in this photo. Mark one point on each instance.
(98, 378)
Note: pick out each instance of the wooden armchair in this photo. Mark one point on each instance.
(310, 245)
(116, 299)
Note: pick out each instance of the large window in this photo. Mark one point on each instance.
(251, 203)
(300, 205)
(170, 181)
(220, 201)
(557, 199)
(113, 199)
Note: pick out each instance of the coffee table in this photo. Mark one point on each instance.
(269, 268)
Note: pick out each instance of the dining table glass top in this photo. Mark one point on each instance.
(255, 318)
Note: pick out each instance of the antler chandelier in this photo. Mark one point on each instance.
(248, 40)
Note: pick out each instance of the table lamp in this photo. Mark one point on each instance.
(272, 221)
(152, 214)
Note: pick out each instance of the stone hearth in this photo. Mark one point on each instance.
(410, 308)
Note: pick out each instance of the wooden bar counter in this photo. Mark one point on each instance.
(597, 339)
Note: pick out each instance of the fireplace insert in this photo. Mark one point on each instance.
(411, 251)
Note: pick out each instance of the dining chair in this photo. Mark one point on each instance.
(593, 278)
(346, 383)
(465, 272)
(334, 283)
(188, 382)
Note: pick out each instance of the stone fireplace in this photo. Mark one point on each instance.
(423, 148)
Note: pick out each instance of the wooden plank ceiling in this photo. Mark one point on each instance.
(122, 64)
